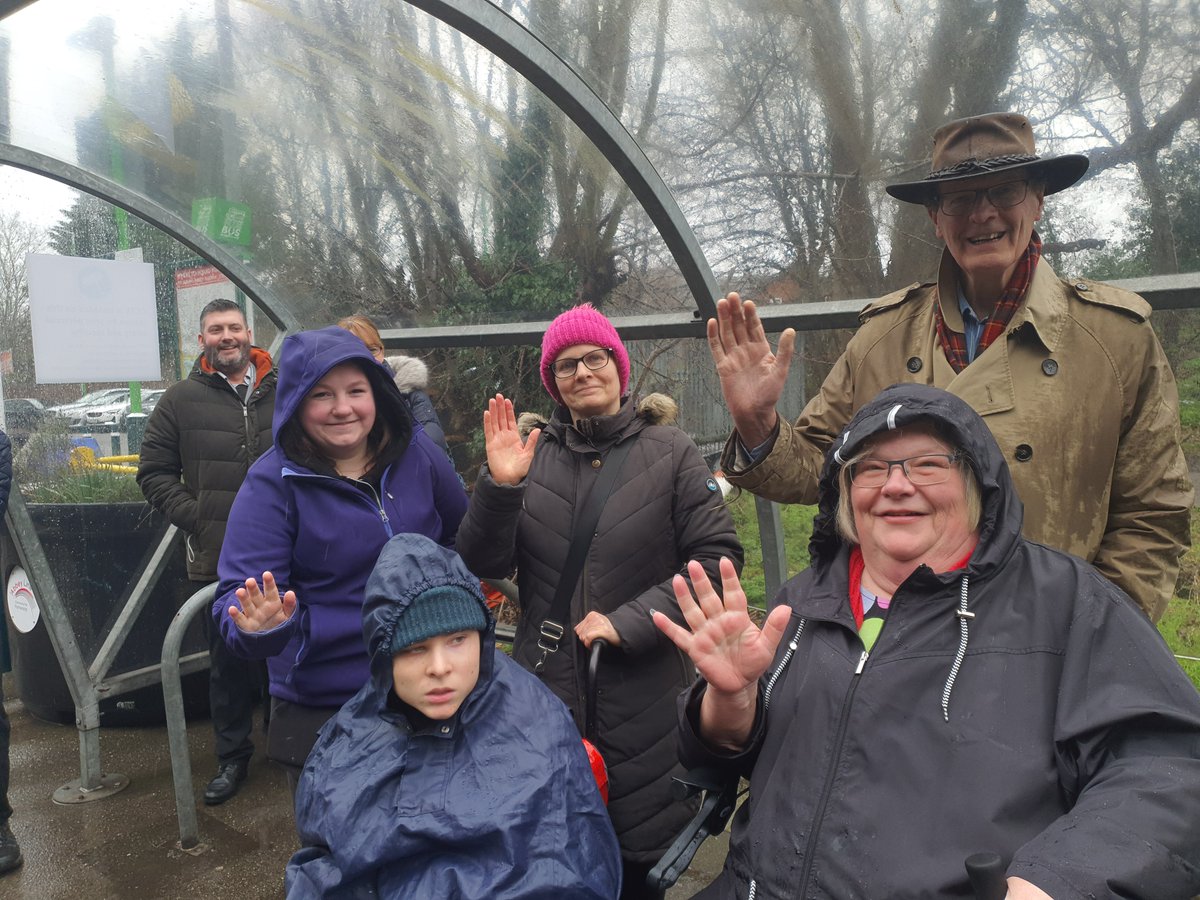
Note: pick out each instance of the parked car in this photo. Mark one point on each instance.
(73, 412)
(149, 401)
(22, 416)
(113, 415)
(99, 415)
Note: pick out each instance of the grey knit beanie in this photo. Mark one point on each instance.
(439, 610)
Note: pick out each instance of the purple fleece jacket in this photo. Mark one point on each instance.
(320, 535)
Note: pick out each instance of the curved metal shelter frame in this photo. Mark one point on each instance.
(510, 41)
(524, 52)
(530, 56)
(131, 201)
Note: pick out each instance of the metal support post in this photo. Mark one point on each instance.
(774, 554)
(181, 760)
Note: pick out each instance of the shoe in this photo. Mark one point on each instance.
(225, 785)
(10, 850)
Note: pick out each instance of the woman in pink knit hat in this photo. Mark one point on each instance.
(664, 509)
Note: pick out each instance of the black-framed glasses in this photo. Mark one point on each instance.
(566, 366)
(1001, 196)
(928, 468)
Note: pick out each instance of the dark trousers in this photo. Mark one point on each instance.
(235, 685)
(5, 737)
(633, 881)
(292, 735)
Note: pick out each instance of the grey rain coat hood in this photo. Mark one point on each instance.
(1021, 705)
(497, 802)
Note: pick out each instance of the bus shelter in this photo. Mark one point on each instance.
(464, 170)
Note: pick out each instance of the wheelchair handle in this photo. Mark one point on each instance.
(589, 700)
(986, 874)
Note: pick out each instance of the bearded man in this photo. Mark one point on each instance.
(207, 430)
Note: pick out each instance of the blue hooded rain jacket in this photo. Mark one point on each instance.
(497, 802)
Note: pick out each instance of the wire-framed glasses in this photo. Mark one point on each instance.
(1001, 196)
(928, 468)
(565, 366)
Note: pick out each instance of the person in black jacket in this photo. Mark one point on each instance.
(936, 686)
(10, 850)
(664, 509)
(207, 430)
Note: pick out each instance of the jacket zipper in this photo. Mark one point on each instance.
(827, 790)
(793, 645)
(377, 505)
(251, 444)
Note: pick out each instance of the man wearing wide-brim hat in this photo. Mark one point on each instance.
(1068, 375)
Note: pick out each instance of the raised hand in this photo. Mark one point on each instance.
(508, 456)
(728, 649)
(262, 610)
(752, 377)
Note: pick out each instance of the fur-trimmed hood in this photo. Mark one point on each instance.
(411, 373)
(656, 409)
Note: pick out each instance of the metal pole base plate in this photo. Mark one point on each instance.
(74, 792)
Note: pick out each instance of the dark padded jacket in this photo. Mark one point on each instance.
(665, 510)
(201, 432)
(1023, 705)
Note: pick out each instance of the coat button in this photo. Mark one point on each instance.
(1050, 366)
(595, 463)
(914, 364)
(445, 729)
(1024, 453)
(1080, 286)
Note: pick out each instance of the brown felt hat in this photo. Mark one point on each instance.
(982, 145)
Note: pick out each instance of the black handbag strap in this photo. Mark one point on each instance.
(554, 625)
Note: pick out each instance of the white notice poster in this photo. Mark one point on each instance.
(92, 319)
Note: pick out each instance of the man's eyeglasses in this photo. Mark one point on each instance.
(1001, 196)
(565, 367)
(928, 468)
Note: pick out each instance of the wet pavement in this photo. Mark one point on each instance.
(125, 846)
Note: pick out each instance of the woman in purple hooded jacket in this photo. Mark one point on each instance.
(349, 469)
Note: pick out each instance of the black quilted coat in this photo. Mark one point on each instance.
(665, 510)
(200, 441)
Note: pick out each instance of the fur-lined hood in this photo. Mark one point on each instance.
(656, 409)
(411, 373)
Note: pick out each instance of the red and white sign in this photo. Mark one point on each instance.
(23, 609)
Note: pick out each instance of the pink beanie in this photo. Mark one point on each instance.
(583, 324)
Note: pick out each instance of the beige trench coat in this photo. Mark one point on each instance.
(1079, 396)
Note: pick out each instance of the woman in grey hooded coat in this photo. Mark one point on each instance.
(936, 686)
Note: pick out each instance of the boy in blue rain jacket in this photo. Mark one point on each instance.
(453, 772)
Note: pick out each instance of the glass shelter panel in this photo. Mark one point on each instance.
(358, 157)
(75, 449)
(777, 123)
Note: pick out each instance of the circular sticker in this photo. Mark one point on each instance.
(22, 604)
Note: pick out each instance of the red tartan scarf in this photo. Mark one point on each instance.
(955, 344)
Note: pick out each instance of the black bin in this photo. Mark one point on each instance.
(96, 551)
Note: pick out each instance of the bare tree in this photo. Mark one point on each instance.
(18, 239)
